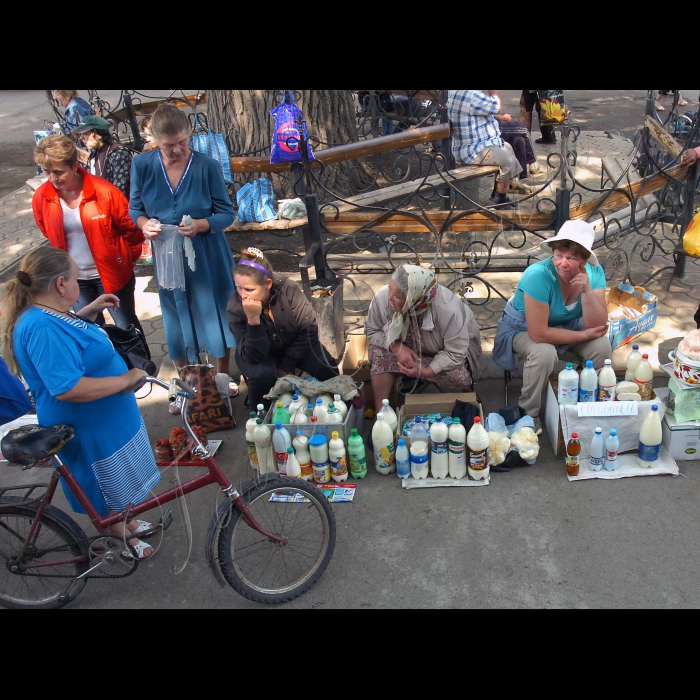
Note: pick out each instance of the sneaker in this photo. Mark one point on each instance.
(534, 168)
(522, 188)
(175, 408)
(682, 102)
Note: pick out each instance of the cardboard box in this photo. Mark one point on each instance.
(628, 427)
(682, 440)
(622, 329)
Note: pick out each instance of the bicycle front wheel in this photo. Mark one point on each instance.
(46, 576)
(267, 572)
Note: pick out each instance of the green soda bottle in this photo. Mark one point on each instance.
(356, 453)
(281, 415)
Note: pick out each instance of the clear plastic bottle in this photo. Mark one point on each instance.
(263, 446)
(420, 450)
(333, 416)
(478, 443)
(341, 406)
(384, 450)
(357, 455)
(612, 447)
(650, 439)
(293, 467)
(597, 451)
(301, 446)
(281, 442)
(457, 439)
(390, 416)
(403, 460)
(250, 427)
(644, 376)
(339, 459)
(568, 386)
(320, 410)
(439, 457)
(318, 446)
(632, 361)
(261, 412)
(607, 381)
(588, 385)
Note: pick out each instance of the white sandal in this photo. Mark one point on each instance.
(137, 551)
(143, 528)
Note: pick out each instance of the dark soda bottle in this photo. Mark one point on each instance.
(573, 452)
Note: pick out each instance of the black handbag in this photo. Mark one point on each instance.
(132, 347)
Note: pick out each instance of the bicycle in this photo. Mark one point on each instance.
(271, 542)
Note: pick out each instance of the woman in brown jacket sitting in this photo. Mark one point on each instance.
(419, 329)
(275, 328)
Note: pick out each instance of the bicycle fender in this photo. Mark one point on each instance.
(212, 539)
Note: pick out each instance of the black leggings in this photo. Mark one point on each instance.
(263, 377)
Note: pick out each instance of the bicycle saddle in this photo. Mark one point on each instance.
(32, 443)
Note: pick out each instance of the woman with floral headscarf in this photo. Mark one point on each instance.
(422, 330)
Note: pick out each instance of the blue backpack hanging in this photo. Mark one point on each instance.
(212, 145)
(285, 140)
(256, 202)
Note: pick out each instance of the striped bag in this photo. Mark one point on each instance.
(256, 202)
(212, 145)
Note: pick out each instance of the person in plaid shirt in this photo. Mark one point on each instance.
(476, 137)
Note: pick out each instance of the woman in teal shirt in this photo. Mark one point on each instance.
(559, 305)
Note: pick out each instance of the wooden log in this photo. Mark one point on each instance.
(663, 137)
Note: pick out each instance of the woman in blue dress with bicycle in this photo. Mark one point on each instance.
(168, 185)
(77, 378)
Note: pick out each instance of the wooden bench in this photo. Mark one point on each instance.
(352, 151)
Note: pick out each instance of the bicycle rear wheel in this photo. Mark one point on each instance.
(267, 572)
(51, 584)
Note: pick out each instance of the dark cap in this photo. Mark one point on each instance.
(91, 123)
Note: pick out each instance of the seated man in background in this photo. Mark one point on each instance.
(476, 138)
(518, 136)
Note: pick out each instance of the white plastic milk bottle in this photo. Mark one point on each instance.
(390, 416)
(597, 451)
(650, 438)
(568, 386)
(320, 459)
(457, 439)
(478, 443)
(420, 450)
(250, 427)
(607, 381)
(293, 468)
(301, 445)
(403, 460)
(632, 361)
(333, 416)
(383, 439)
(263, 446)
(296, 408)
(439, 458)
(281, 442)
(644, 376)
(320, 410)
(341, 406)
(588, 386)
(339, 459)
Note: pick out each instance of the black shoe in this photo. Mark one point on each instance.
(547, 142)
(503, 202)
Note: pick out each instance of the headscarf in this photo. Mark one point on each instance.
(422, 288)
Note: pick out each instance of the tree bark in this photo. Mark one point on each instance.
(243, 116)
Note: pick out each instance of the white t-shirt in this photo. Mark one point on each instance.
(77, 244)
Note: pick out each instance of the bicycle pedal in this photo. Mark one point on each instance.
(167, 520)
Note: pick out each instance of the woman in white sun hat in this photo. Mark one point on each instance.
(559, 305)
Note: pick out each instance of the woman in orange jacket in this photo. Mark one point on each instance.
(88, 217)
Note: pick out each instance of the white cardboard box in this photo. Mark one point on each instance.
(681, 440)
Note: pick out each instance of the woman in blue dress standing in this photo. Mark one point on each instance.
(171, 183)
(76, 377)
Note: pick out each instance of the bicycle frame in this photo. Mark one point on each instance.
(102, 524)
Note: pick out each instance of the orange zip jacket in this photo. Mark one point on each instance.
(114, 240)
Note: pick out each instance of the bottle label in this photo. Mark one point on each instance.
(440, 448)
(384, 457)
(282, 458)
(456, 447)
(572, 461)
(306, 469)
(478, 461)
(358, 465)
(339, 468)
(568, 394)
(585, 396)
(596, 463)
(252, 454)
(322, 472)
(606, 393)
(649, 453)
(418, 461)
(403, 469)
(610, 456)
(645, 390)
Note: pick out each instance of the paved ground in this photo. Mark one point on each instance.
(529, 540)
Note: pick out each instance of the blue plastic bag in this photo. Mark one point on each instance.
(285, 140)
(256, 202)
(212, 145)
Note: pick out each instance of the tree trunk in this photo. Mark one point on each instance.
(243, 116)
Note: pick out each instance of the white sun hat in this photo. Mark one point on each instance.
(577, 232)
